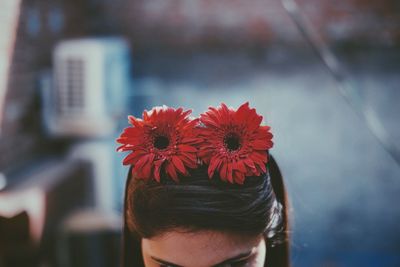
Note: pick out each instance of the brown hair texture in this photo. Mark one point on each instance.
(259, 206)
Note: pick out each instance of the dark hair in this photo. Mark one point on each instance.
(259, 206)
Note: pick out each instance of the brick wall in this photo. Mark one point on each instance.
(232, 22)
(38, 26)
(205, 22)
(355, 21)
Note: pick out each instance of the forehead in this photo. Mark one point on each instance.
(204, 248)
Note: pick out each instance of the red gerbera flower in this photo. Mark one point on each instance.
(234, 143)
(164, 138)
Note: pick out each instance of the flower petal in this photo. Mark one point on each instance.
(215, 162)
(157, 168)
(229, 173)
(169, 167)
(179, 164)
(187, 148)
(131, 158)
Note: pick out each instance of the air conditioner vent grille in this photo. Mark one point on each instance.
(71, 86)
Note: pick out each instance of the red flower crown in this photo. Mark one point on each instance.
(232, 143)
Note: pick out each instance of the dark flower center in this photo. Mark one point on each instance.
(161, 142)
(232, 141)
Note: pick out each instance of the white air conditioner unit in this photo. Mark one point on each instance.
(91, 78)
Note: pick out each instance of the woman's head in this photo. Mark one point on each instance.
(206, 222)
(203, 191)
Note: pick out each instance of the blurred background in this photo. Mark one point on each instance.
(325, 75)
